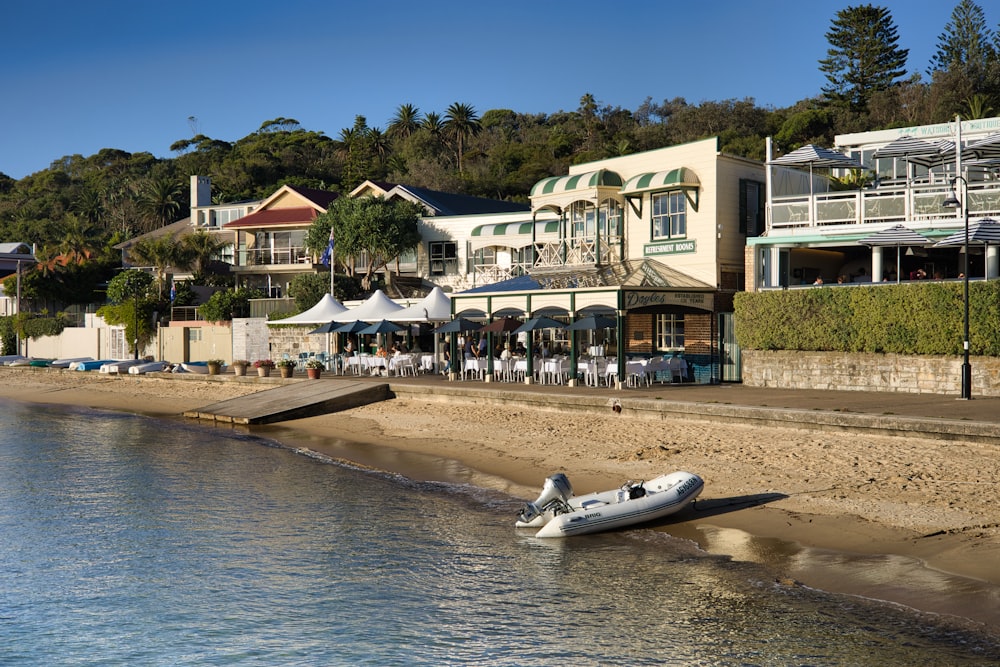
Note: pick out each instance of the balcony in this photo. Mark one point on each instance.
(294, 256)
(888, 203)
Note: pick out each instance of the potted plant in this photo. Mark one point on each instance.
(286, 367)
(263, 367)
(240, 367)
(314, 368)
(215, 366)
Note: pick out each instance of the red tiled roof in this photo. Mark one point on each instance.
(302, 215)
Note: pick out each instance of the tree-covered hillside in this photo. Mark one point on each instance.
(500, 153)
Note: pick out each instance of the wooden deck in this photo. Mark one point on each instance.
(293, 401)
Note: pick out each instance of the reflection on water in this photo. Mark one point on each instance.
(880, 576)
(125, 540)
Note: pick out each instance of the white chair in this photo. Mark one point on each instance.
(405, 365)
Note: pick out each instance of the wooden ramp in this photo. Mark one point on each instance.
(293, 401)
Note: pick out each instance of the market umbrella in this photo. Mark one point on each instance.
(982, 232)
(459, 325)
(898, 236)
(503, 325)
(912, 149)
(354, 327)
(384, 326)
(591, 322)
(536, 323)
(329, 327)
(811, 157)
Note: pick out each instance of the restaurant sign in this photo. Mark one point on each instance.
(670, 248)
(700, 300)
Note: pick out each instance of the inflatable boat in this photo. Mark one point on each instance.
(558, 513)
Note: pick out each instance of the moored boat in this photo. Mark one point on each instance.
(92, 365)
(147, 367)
(199, 367)
(120, 366)
(66, 363)
(558, 513)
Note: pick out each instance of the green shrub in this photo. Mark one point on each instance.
(912, 318)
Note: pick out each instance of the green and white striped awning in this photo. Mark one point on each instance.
(516, 228)
(590, 180)
(682, 177)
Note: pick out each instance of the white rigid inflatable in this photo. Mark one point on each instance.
(558, 513)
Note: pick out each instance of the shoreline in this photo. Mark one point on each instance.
(901, 520)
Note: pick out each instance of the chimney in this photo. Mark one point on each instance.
(201, 191)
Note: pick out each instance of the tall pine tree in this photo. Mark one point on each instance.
(863, 57)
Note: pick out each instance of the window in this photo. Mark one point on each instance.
(669, 215)
(610, 219)
(751, 207)
(443, 257)
(669, 332)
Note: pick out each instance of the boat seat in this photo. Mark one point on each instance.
(587, 504)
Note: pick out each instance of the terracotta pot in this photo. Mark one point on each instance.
(314, 373)
(286, 371)
(263, 371)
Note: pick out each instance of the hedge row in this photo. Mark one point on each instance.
(912, 318)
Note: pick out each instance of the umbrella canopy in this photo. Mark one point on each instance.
(435, 307)
(381, 327)
(981, 232)
(898, 235)
(329, 327)
(815, 156)
(909, 148)
(355, 327)
(593, 322)
(503, 325)
(322, 312)
(459, 325)
(377, 307)
(539, 323)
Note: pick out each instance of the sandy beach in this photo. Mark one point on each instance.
(904, 514)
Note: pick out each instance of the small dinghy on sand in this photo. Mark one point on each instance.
(558, 513)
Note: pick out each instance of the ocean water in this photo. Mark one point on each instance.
(126, 540)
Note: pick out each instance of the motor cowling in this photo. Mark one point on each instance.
(556, 490)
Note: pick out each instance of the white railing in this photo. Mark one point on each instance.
(887, 203)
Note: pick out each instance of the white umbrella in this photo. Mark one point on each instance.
(981, 232)
(810, 157)
(898, 236)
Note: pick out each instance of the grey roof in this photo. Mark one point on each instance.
(446, 203)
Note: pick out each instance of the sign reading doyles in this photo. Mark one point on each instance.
(671, 248)
(700, 300)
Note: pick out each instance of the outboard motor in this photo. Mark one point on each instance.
(556, 491)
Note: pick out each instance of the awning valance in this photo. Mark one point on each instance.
(682, 177)
(562, 184)
(516, 228)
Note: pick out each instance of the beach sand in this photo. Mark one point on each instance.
(900, 514)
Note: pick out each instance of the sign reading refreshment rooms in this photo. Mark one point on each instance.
(670, 248)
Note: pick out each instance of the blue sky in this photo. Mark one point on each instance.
(82, 76)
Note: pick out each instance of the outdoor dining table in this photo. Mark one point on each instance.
(553, 371)
(475, 365)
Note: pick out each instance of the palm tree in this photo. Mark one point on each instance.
(405, 122)
(201, 247)
(160, 252)
(78, 242)
(160, 201)
(461, 123)
(433, 124)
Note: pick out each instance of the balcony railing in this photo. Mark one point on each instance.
(886, 203)
(274, 256)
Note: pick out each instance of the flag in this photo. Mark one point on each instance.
(173, 291)
(327, 255)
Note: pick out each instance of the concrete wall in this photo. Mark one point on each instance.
(72, 343)
(869, 372)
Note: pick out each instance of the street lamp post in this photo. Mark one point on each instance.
(953, 202)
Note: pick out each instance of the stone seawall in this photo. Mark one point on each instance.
(868, 372)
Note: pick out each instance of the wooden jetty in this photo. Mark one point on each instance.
(293, 401)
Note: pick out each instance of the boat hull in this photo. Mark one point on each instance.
(149, 367)
(610, 510)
